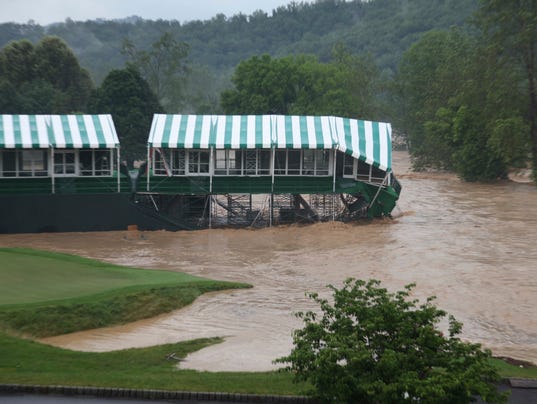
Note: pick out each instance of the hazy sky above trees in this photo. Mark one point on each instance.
(49, 11)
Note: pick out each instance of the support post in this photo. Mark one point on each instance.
(148, 167)
(210, 212)
(273, 152)
(272, 166)
(271, 203)
(51, 165)
(334, 172)
(117, 169)
(211, 170)
(334, 167)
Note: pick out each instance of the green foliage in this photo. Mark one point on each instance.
(302, 85)
(383, 28)
(510, 28)
(164, 67)
(127, 96)
(431, 75)
(371, 346)
(459, 107)
(45, 78)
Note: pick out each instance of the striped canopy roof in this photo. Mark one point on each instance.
(58, 131)
(364, 140)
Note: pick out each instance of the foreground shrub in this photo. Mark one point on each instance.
(373, 346)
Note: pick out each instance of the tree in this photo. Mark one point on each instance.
(373, 346)
(459, 107)
(302, 85)
(17, 62)
(431, 73)
(511, 27)
(164, 67)
(263, 85)
(45, 78)
(127, 96)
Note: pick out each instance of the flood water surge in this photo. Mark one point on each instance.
(471, 245)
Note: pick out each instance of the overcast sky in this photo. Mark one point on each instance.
(48, 11)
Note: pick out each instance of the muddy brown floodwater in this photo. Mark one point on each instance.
(471, 245)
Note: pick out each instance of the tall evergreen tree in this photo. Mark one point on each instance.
(127, 96)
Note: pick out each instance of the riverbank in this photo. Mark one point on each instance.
(402, 167)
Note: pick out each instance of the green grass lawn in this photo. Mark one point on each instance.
(29, 362)
(44, 294)
(30, 276)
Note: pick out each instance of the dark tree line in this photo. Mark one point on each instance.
(384, 28)
(464, 97)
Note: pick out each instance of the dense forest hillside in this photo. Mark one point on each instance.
(383, 28)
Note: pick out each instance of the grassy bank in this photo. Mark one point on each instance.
(44, 294)
(28, 362)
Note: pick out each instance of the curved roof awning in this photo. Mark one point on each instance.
(58, 131)
(364, 140)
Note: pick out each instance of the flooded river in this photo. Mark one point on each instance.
(471, 245)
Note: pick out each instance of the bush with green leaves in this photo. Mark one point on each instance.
(369, 345)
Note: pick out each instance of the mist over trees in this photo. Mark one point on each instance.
(384, 28)
(455, 77)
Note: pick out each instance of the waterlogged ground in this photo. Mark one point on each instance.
(471, 245)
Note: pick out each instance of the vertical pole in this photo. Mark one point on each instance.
(118, 171)
(211, 170)
(271, 203)
(148, 166)
(334, 173)
(273, 152)
(272, 165)
(334, 186)
(210, 211)
(51, 168)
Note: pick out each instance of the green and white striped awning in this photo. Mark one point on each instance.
(205, 131)
(365, 140)
(58, 131)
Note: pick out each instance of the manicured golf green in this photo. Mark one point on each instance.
(30, 276)
(44, 294)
